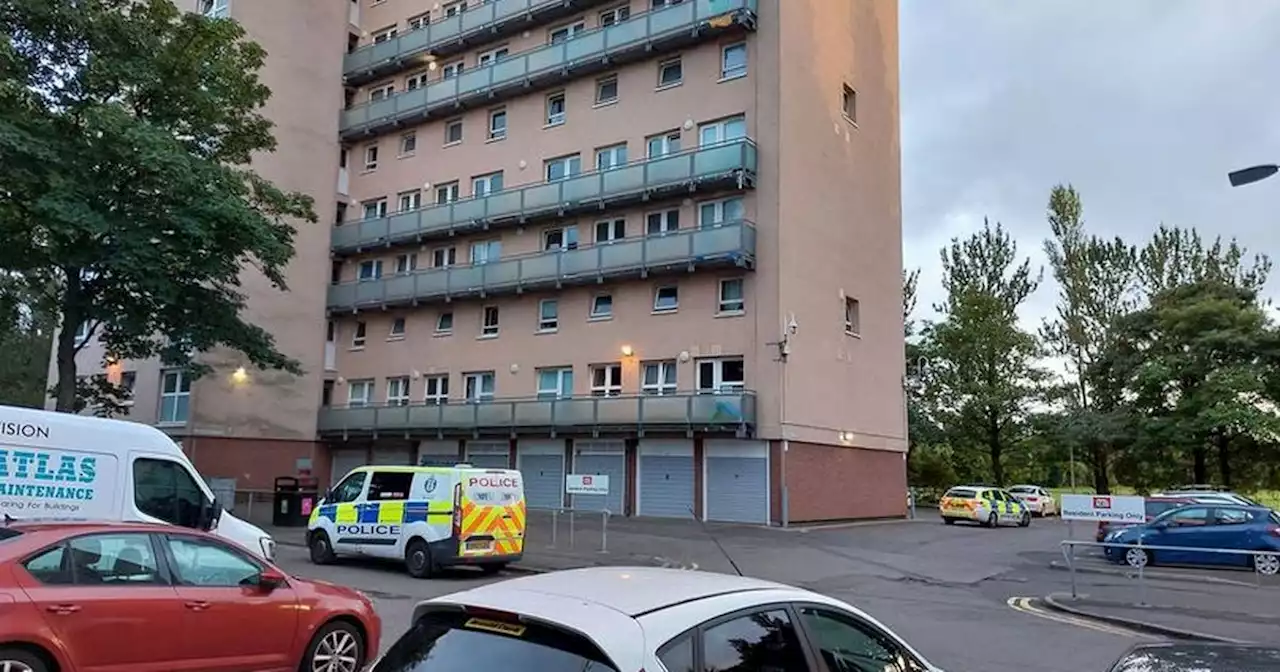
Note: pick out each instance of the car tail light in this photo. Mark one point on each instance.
(1274, 529)
(457, 510)
(1033, 499)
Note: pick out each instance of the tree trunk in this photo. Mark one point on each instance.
(66, 385)
(1200, 465)
(993, 438)
(1098, 458)
(1224, 458)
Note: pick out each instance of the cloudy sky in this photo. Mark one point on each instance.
(1144, 105)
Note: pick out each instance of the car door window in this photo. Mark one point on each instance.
(164, 489)
(208, 564)
(98, 560)
(1191, 517)
(393, 485)
(764, 640)
(677, 656)
(847, 644)
(1230, 517)
(350, 488)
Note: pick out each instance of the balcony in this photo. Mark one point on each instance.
(731, 244)
(730, 165)
(480, 24)
(639, 38)
(685, 412)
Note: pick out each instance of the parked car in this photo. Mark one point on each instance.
(1038, 499)
(1155, 505)
(1203, 526)
(984, 505)
(622, 619)
(1213, 496)
(135, 596)
(1198, 657)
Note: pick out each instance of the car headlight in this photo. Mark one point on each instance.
(268, 548)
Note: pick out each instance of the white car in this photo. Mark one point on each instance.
(625, 619)
(1039, 500)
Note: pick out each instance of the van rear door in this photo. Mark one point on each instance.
(493, 513)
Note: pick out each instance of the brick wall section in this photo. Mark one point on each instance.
(254, 463)
(775, 482)
(838, 483)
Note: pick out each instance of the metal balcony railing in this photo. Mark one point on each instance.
(641, 37)
(731, 164)
(686, 412)
(713, 246)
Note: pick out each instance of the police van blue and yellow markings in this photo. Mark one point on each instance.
(377, 523)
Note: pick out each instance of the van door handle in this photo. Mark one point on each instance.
(198, 605)
(62, 609)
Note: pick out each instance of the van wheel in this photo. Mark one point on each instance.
(338, 646)
(21, 660)
(417, 556)
(321, 549)
(493, 568)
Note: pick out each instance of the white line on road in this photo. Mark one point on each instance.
(1026, 606)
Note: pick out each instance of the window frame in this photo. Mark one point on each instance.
(564, 377)
(488, 181)
(453, 69)
(601, 85)
(365, 384)
(554, 99)
(663, 65)
(718, 383)
(665, 219)
(394, 334)
(657, 296)
(719, 211)
(741, 301)
(736, 72)
(493, 56)
(215, 9)
(852, 316)
(403, 396)
(609, 154)
(440, 395)
(408, 143)
(371, 156)
(571, 30)
(548, 324)
(444, 257)
(568, 234)
(849, 104)
(698, 632)
(490, 328)
(721, 127)
(360, 335)
(874, 631)
(440, 329)
(492, 251)
(375, 270)
(662, 388)
(178, 394)
(477, 378)
(176, 467)
(379, 206)
(164, 575)
(613, 380)
(449, 125)
(496, 134)
(409, 201)
(613, 17)
(593, 314)
(615, 230)
(668, 138)
(569, 161)
(451, 192)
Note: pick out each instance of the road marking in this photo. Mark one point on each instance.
(1027, 606)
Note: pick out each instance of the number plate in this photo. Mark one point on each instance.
(479, 545)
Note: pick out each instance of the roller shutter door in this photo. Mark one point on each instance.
(666, 479)
(542, 467)
(489, 454)
(343, 462)
(602, 458)
(737, 485)
(398, 457)
(438, 453)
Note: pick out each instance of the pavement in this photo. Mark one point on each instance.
(943, 588)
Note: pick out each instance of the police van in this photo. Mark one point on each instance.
(430, 517)
(59, 466)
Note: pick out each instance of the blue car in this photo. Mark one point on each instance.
(1202, 526)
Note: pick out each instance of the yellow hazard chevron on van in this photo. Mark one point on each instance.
(504, 524)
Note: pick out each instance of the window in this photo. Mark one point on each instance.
(722, 131)
(451, 70)
(408, 144)
(658, 223)
(410, 200)
(670, 73)
(497, 124)
(555, 109)
(397, 328)
(164, 489)
(82, 333)
(415, 81)
(613, 156)
(398, 391)
(444, 323)
(607, 90)
(453, 132)
(548, 315)
(384, 35)
(215, 9)
(98, 560)
(606, 380)
(443, 257)
(420, 21)
(393, 485)
(1189, 517)
(375, 209)
(371, 157)
(678, 656)
(479, 386)
(175, 396)
(851, 319)
(763, 640)
(437, 390)
(370, 269)
(659, 378)
(484, 185)
(127, 381)
(616, 15)
(209, 564)
(489, 321)
(359, 393)
(601, 306)
(847, 644)
(350, 489)
(564, 33)
(733, 61)
(485, 251)
(715, 213)
(454, 645)
(381, 92)
(358, 336)
(664, 144)
(659, 4)
(721, 376)
(565, 238)
(563, 167)
(447, 193)
(666, 299)
(555, 383)
(611, 230)
(731, 297)
(455, 8)
(1230, 517)
(849, 103)
(492, 56)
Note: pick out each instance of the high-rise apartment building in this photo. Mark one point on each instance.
(658, 240)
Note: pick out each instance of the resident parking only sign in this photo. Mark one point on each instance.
(1109, 508)
(586, 484)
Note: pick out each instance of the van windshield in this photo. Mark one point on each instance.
(458, 642)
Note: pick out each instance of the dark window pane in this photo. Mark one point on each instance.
(164, 490)
(456, 642)
(760, 641)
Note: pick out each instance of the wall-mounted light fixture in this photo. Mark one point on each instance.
(627, 351)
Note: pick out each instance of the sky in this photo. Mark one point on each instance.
(1142, 105)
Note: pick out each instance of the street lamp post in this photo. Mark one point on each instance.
(1239, 178)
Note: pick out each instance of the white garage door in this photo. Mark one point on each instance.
(489, 454)
(602, 458)
(665, 481)
(737, 480)
(541, 464)
(344, 460)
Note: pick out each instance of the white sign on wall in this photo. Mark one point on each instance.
(586, 484)
(1110, 508)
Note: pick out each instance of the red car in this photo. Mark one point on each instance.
(80, 597)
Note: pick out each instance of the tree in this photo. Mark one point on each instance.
(983, 370)
(127, 128)
(1175, 256)
(26, 330)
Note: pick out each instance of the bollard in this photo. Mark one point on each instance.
(1071, 567)
(555, 524)
(604, 531)
(570, 528)
(1142, 584)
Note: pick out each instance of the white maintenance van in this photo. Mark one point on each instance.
(59, 466)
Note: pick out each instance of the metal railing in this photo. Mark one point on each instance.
(726, 412)
(571, 515)
(729, 244)
(593, 50)
(1069, 554)
(732, 163)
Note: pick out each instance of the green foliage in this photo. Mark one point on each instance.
(126, 128)
(26, 330)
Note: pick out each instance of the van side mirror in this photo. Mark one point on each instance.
(210, 512)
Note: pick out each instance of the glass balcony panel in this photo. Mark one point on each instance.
(668, 248)
(579, 262)
(393, 417)
(411, 100)
(623, 180)
(360, 418)
(717, 409)
(617, 410)
(446, 28)
(414, 41)
(623, 33)
(577, 189)
(437, 218)
(503, 204)
(342, 295)
(671, 18)
(401, 288)
(466, 278)
(542, 197)
(441, 91)
(535, 413)
(672, 410)
(508, 69)
(542, 267)
(717, 160)
(629, 253)
(470, 210)
(372, 230)
(502, 274)
(385, 107)
(575, 412)
(433, 283)
(347, 235)
(403, 224)
(584, 45)
(369, 292)
(540, 60)
(717, 241)
(476, 17)
(495, 414)
(425, 416)
(383, 51)
(476, 79)
(668, 170)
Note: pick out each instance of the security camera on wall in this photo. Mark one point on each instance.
(792, 326)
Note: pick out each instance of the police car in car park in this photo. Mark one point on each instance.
(985, 505)
(624, 619)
